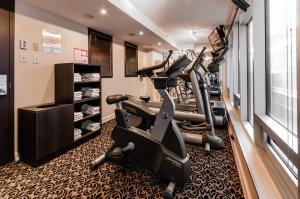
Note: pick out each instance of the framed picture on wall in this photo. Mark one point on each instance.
(100, 52)
(131, 60)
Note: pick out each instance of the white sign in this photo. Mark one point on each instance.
(80, 55)
(3, 84)
(51, 42)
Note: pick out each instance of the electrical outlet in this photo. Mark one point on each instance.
(36, 59)
(22, 58)
(23, 44)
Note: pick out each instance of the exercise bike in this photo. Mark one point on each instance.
(163, 149)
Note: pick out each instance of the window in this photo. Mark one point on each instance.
(100, 52)
(281, 75)
(235, 59)
(131, 60)
(238, 55)
(281, 62)
(250, 81)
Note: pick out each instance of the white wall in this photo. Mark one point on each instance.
(119, 84)
(34, 83)
(153, 58)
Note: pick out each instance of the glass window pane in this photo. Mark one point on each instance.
(250, 70)
(281, 59)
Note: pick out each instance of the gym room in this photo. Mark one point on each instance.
(95, 94)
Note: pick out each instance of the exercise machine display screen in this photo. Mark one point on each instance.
(216, 41)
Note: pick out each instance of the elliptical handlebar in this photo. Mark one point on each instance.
(169, 55)
(149, 70)
(198, 60)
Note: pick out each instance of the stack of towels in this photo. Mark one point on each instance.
(77, 133)
(90, 126)
(77, 95)
(77, 77)
(90, 76)
(90, 110)
(90, 92)
(78, 116)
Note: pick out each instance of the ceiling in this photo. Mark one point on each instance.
(116, 23)
(173, 23)
(187, 21)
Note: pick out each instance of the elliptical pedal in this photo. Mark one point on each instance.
(169, 191)
(116, 153)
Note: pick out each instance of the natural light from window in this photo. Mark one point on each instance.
(282, 91)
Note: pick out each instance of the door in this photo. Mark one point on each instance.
(6, 81)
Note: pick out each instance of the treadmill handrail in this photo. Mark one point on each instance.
(197, 61)
(148, 71)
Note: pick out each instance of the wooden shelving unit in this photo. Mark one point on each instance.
(65, 88)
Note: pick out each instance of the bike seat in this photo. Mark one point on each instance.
(112, 99)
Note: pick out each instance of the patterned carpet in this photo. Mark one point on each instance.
(68, 176)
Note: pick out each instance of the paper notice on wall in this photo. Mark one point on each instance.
(80, 55)
(77, 55)
(3, 84)
(51, 42)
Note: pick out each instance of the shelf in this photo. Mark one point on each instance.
(87, 134)
(85, 65)
(86, 100)
(87, 117)
(86, 82)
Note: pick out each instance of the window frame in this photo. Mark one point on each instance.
(268, 68)
(133, 46)
(273, 128)
(100, 35)
(249, 94)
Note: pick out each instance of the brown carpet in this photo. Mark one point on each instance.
(68, 176)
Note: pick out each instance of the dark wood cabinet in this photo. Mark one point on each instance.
(44, 130)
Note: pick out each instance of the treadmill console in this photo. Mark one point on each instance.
(217, 39)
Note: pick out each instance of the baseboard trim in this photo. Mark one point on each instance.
(108, 118)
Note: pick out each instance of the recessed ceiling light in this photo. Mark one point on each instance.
(159, 43)
(141, 33)
(103, 11)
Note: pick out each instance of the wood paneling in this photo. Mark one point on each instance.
(6, 68)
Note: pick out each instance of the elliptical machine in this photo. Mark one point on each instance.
(164, 146)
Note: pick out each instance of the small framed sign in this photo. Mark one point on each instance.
(3, 84)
